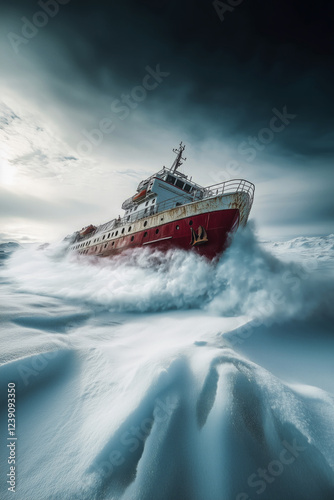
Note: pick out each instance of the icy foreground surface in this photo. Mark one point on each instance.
(159, 377)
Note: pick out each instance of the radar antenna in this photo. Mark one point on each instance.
(177, 162)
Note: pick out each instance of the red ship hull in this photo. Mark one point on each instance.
(183, 234)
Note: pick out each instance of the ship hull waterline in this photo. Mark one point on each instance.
(184, 234)
(202, 226)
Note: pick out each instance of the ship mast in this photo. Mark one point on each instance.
(177, 162)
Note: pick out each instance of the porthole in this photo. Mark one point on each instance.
(104, 236)
(105, 245)
(145, 234)
(162, 219)
(129, 228)
(116, 233)
(156, 231)
(112, 234)
(113, 243)
(146, 204)
(190, 223)
(145, 223)
(123, 230)
(108, 235)
(177, 227)
(132, 238)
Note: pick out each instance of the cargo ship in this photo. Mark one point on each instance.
(169, 211)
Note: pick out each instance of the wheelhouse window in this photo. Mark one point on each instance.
(187, 188)
(179, 184)
(170, 179)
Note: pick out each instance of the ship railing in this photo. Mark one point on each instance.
(230, 187)
(223, 188)
(103, 227)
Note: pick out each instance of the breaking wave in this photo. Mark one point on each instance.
(247, 280)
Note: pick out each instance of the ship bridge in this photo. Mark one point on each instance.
(162, 186)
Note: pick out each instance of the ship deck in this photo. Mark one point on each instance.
(226, 188)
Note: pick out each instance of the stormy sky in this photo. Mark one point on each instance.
(94, 96)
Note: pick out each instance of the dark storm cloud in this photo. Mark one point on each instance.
(225, 76)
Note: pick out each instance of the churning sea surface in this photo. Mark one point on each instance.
(157, 376)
